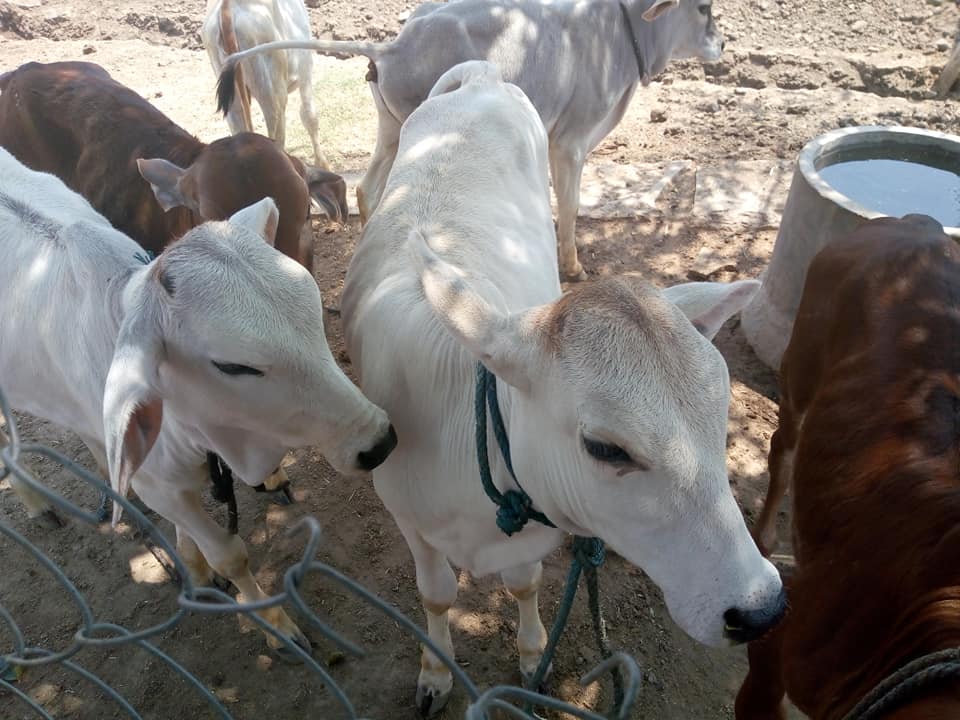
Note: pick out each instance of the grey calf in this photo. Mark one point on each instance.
(578, 62)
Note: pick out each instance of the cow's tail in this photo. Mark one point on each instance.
(466, 73)
(231, 46)
(226, 84)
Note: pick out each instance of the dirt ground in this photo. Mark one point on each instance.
(790, 72)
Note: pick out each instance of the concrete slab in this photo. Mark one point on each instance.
(742, 192)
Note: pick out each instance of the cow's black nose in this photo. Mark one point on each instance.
(742, 626)
(369, 459)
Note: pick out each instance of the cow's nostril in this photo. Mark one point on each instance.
(742, 626)
(369, 459)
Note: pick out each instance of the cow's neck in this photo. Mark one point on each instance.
(651, 39)
(537, 491)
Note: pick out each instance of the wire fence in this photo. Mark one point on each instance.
(483, 705)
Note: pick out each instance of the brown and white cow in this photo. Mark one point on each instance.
(71, 119)
(869, 443)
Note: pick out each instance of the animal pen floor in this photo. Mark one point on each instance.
(718, 140)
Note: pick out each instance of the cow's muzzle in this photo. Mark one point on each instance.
(743, 626)
(369, 459)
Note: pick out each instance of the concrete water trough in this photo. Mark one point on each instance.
(840, 179)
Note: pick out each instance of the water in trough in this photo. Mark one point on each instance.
(898, 187)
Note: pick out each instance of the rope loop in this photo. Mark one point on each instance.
(514, 507)
(906, 682)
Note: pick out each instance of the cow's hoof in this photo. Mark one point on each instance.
(578, 274)
(221, 583)
(431, 700)
(528, 678)
(288, 655)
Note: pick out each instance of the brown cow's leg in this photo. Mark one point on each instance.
(762, 691)
(781, 470)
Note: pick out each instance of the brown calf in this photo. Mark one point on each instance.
(869, 443)
(71, 119)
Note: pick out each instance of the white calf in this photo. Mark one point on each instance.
(615, 404)
(216, 345)
(234, 25)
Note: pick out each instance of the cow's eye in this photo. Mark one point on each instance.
(235, 369)
(704, 10)
(606, 452)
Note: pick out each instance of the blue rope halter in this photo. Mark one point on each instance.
(515, 509)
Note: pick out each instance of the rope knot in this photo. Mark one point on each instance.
(589, 551)
(515, 512)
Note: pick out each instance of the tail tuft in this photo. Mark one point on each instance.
(227, 86)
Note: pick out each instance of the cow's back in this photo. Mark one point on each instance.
(871, 388)
(471, 177)
(71, 119)
(58, 261)
(547, 69)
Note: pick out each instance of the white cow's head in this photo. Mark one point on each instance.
(686, 27)
(618, 423)
(223, 335)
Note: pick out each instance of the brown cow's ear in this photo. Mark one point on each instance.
(330, 192)
(172, 186)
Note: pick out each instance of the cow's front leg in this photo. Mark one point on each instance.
(438, 591)
(523, 583)
(201, 574)
(226, 554)
(37, 506)
(566, 169)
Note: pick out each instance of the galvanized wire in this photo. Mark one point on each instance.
(208, 600)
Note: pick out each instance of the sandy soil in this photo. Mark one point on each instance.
(791, 71)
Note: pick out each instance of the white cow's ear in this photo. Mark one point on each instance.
(261, 217)
(171, 185)
(132, 408)
(709, 305)
(658, 8)
(505, 344)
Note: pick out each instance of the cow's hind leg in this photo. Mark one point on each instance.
(523, 583)
(37, 506)
(438, 591)
(308, 111)
(782, 450)
(388, 140)
(226, 554)
(761, 694)
(566, 169)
